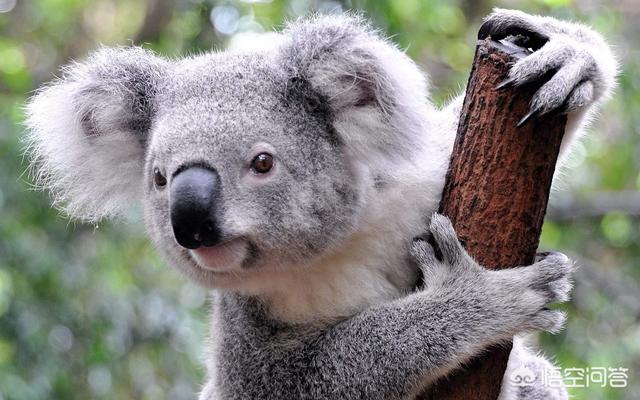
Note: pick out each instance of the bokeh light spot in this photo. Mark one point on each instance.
(7, 5)
(61, 338)
(99, 380)
(617, 228)
(225, 19)
(11, 60)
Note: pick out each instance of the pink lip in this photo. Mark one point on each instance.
(223, 257)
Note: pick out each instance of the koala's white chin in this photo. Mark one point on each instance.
(227, 256)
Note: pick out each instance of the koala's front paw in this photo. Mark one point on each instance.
(538, 285)
(510, 301)
(580, 63)
(456, 267)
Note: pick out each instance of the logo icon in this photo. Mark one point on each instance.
(522, 376)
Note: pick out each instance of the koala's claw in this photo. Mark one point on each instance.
(506, 83)
(577, 63)
(523, 120)
(502, 24)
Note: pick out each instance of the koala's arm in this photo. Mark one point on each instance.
(392, 350)
(585, 68)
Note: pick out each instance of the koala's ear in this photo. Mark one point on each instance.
(377, 96)
(87, 132)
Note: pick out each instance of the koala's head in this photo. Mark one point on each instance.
(242, 160)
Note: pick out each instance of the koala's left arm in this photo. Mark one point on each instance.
(582, 64)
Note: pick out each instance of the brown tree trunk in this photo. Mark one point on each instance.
(496, 191)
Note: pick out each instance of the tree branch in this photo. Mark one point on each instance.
(497, 190)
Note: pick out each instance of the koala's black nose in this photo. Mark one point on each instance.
(194, 195)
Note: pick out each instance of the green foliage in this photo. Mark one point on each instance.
(92, 312)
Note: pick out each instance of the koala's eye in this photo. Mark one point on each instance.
(158, 178)
(262, 163)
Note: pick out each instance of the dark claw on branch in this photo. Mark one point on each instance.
(525, 38)
(527, 117)
(506, 83)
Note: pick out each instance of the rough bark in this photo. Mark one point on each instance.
(496, 191)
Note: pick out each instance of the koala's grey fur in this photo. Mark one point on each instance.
(316, 296)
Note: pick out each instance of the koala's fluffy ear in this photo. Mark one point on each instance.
(87, 131)
(376, 94)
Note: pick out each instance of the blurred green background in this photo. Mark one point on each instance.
(92, 312)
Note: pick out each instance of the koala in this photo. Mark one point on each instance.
(295, 180)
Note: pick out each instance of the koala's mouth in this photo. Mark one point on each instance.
(227, 256)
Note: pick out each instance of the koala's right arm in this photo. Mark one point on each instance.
(394, 349)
